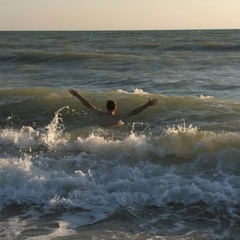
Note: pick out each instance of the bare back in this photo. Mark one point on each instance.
(107, 119)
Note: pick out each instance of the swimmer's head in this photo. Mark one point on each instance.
(111, 105)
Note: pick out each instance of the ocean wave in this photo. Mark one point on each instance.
(208, 111)
(89, 174)
(190, 46)
(171, 171)
(43, 56)
(121, 173)
(88, 180)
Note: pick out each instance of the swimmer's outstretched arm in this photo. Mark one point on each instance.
(150, 102)
(89, 105)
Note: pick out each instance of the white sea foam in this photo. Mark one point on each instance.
(106, 173)
(166, 178)
(31, 139)
(206, 97)
(134, 91)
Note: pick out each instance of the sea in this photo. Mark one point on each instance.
(170, 172)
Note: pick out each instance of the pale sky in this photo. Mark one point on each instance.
(119, 14)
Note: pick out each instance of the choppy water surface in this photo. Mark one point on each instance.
(170, 172)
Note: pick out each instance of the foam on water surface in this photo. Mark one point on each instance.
(170, 172)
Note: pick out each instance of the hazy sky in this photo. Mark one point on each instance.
(119, 14)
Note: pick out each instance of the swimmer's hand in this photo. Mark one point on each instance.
(74, 92)
(152, 102)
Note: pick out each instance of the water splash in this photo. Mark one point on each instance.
(181, 128)
(54, 130)
(28, 139)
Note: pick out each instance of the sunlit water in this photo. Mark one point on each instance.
(169, 172)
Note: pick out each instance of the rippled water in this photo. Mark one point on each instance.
(169, 172)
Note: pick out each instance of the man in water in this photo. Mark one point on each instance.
(110, 118)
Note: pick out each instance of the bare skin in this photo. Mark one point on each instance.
(109, 118)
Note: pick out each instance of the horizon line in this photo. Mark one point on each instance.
(115, 30)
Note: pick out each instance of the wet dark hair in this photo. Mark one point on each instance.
(111, 105)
